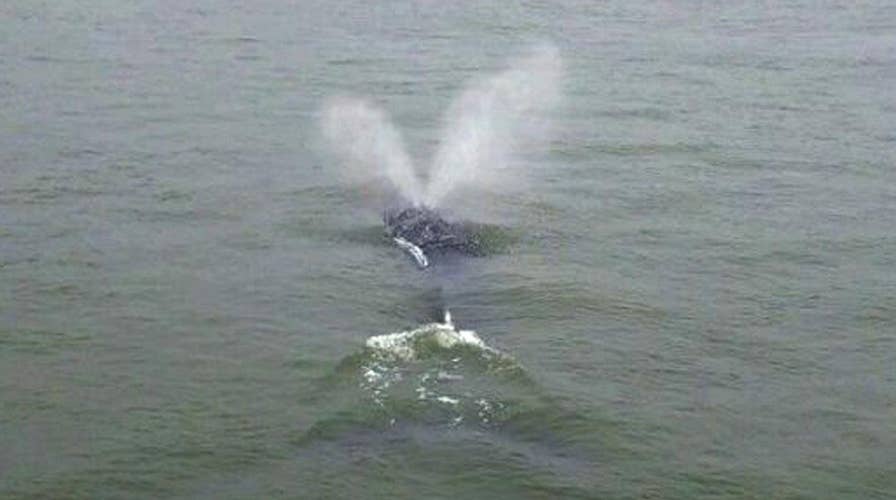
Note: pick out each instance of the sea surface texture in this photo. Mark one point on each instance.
(692, 295)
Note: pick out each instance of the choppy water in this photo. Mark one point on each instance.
(699, 300)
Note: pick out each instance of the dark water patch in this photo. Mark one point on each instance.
(655, 114)
(68, 292)
(652, 149)
(43, 58)
(174, 195)
(357, 61)
(75, 260)
(636, 150)
(80, 153)
(878, 316)
(165, 215)
(250, 240)
(42, 342)
(9, 262)
(241, 40)
(46, 195)
(59, 187)
(322, 199)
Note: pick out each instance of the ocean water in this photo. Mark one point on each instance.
(696, 298)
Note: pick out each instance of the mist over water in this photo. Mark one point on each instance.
(489, 120)
(370, 145)
(481, 130)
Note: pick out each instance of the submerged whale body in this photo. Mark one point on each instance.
(422, 232)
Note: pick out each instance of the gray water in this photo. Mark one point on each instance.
(698, 300)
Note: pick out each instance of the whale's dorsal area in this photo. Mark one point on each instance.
(422, 232)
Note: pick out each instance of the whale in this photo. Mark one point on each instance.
(423, 233)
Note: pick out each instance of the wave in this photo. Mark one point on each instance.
(434, 375)
(437, 370)
(446, 390)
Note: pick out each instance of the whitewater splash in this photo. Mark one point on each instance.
(439, 367)
(444, 335)
(490, 119)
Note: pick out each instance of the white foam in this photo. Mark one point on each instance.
(444, 376)
(396, 344)
(401, 344)
(393, 362)
(447, 400)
